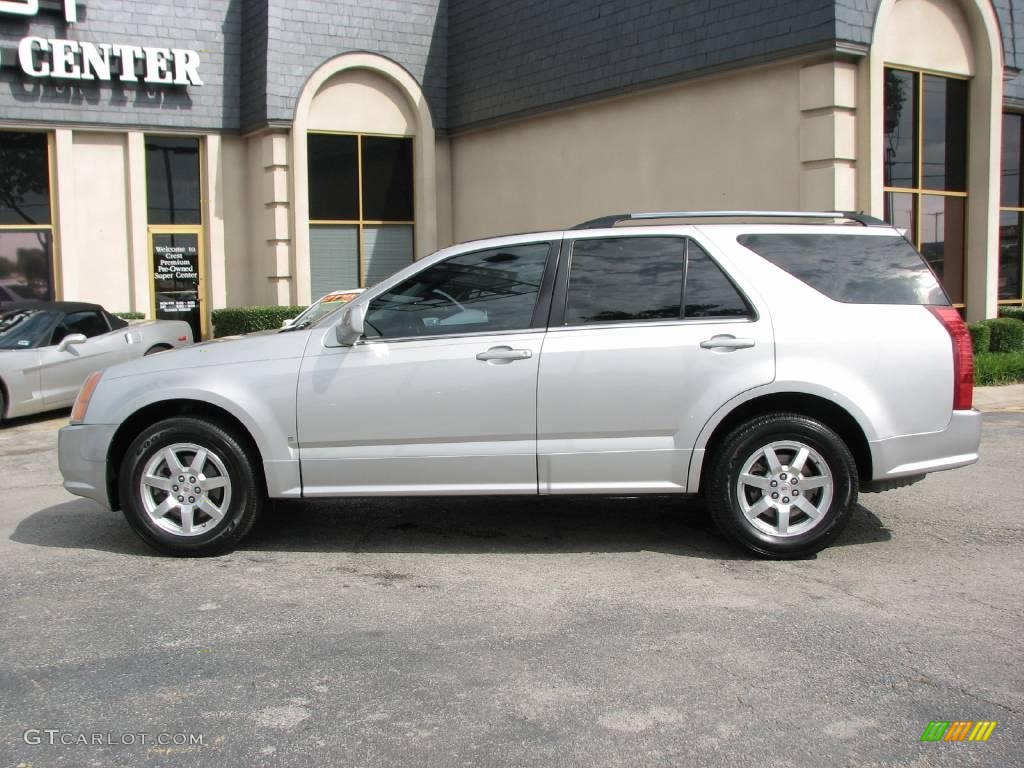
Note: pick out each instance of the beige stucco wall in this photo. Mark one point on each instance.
(361, 101)
(927, 34)
(723, 142)
(445, 223)
(94, 252)
(232, 208)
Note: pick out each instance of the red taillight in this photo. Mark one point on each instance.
(963, 359)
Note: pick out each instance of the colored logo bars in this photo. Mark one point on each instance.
(958, 730)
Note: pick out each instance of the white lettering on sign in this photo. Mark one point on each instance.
(31, 8)
(74, 60)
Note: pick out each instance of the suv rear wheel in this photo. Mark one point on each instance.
(189, 488)
(783, 485)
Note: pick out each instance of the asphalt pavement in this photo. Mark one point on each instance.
(512, 632)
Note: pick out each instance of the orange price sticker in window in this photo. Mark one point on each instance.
(341, 297)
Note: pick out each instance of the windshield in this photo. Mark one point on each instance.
(24, 328)
(326, 306)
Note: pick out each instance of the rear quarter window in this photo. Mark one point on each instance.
(853, 269)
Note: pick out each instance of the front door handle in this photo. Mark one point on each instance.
(726, 341)
(504, 355)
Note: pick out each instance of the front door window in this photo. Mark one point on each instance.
(481, 292)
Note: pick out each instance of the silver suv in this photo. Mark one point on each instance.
(774, 368)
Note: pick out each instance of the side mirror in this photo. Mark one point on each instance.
(288, 323)
(71, 338)
(350, 327)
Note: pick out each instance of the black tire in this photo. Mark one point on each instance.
(743, 444)
(156, 348)
(244, 504)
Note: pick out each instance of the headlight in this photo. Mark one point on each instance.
(84, 396)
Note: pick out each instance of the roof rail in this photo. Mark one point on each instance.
(611, 221)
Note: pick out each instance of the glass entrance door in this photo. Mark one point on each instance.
(176, 260)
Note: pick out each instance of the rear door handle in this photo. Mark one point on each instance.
(726, 341)
(504, 354)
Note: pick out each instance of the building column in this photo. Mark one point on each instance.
(272, 185)
(828, 146)
(63, 217)
(138, 219)
(215, 291)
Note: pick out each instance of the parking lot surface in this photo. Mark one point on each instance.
(532, 632)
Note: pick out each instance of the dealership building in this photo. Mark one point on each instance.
(175, 157)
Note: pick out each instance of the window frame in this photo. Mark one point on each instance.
(541, 309)
(361, 223)
(1016, 209)
(919, 192)
(56, 276)
(561, 289)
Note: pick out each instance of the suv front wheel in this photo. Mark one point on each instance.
(190, 488)
(782, 485)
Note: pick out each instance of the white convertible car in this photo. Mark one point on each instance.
(47, 349)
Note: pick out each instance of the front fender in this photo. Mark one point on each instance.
(259, 394)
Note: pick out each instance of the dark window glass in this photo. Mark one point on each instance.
(333, 166)
(25, 328)
(114, 322)
(1010, 178)
(492, 290)
(856, 269)
(88, 324)
(172, 180)
(25, 266)
(624, 279)
(708, 292)
(1009, 255)
(24, 178)
(387, 179)
(900, 129)
(899, 211)
(942, 241)
(944, 154)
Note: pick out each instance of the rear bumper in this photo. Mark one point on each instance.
(82, 457)
(955, 446)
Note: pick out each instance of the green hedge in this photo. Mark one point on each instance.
(1017, 313)
(998, 368)
(1007, 335)
(129, 315)
(236, 320)
(981, 337)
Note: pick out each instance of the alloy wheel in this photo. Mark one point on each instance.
(185, 489)
(785, 488)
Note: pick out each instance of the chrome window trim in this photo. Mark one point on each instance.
(446, 336)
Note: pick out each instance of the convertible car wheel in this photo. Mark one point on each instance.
(189, 487)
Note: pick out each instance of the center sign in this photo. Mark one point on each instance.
(80, 60)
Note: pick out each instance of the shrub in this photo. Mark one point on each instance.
(129, 315)
(236, 320)
(1017, 313)
(998, 368)
(981, 336)
(1007, 335)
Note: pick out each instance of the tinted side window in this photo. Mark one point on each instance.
(88, 323)
(855, 269)
(709, 293)
(492, 290)
(625, 279)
